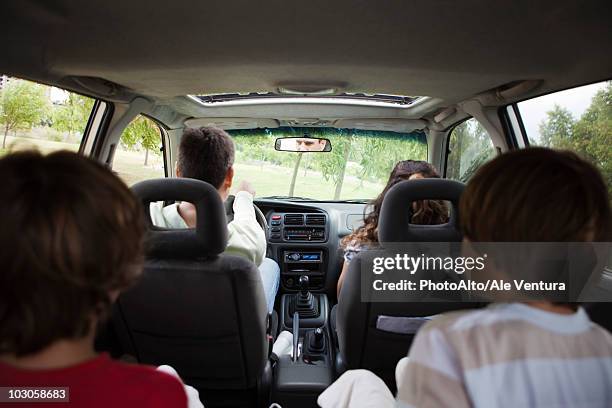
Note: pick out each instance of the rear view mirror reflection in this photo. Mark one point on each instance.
(302, 144)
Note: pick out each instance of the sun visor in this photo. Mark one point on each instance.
(232, 123)
(393, 125)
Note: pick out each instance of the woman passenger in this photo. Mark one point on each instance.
(426, 212)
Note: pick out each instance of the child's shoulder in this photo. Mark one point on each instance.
(143, 382)
(460, 320)
(132, 372)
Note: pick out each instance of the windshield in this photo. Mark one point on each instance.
(356, 168)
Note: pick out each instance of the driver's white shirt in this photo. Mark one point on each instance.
(246, 238)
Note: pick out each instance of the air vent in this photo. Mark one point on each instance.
(294, 219)
(315, 219)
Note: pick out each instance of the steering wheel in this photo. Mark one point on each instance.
(259, 216)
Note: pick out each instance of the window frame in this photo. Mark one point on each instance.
(163, 134)
(447, 138)
(517, 110)
(88, 148)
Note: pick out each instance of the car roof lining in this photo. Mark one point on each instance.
(449, 51)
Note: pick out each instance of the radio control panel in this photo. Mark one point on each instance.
(298, 227)
(303, 256)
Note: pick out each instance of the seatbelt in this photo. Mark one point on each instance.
(229, 208)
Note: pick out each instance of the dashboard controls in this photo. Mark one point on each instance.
(303, 256)
(298, 227)
(294, 219)
(299, 238)
(315, 219)
(302, 268)
(304, 234)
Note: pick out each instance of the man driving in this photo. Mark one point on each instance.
(308, 144)
(207, 154)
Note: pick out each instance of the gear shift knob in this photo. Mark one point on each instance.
(304, 284)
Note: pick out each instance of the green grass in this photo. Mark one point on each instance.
(275, 180)
(130, 166)
(44, 146)
(267, 179)
(127, 164)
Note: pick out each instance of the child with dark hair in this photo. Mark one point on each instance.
(535, 353)
(72, 240)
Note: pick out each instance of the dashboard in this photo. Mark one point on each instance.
(304, 238)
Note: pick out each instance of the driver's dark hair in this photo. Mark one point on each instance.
(206, 154)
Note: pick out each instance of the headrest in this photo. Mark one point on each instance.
(394, 221)
(210, 235)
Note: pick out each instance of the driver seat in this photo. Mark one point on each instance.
(196, 310)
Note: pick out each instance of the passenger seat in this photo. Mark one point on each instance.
(363, 341)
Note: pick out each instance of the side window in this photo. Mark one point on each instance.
(469, 147)
(578, 119)
(139, 155)
(41, 117)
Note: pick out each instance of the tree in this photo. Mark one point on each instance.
(592, 134)
(295, 172)
(333, 164)
(378, 152)
(458, 142)
(470, 147)
(22, 105)
(557, 129)
(73, 114)
(589, 136)
(142, 133)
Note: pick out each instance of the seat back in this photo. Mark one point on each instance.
(201, 312)
(362, 339)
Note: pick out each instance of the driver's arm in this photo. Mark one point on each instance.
(245, 236)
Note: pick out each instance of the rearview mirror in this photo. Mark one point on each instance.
(302, 144)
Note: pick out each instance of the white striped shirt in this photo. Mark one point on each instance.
(508, 355)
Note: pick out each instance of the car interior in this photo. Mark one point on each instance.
(416, 70)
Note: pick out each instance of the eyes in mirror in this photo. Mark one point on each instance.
(302, 144)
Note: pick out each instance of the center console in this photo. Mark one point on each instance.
(312, 308)
(300, 239)
(299, 378)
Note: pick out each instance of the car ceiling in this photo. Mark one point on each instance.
(445, 49)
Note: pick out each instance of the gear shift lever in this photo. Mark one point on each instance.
(304, 284)
(304, 302)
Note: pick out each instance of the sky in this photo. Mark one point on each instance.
(575, 100)
(58, 95)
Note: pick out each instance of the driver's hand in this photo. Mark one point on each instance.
(246, 186)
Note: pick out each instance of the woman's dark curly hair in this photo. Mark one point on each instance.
(427, 212)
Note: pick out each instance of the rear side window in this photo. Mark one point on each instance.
(140, 154)
(41, 117)
(469, 147)
(578, 119)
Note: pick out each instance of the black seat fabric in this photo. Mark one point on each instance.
(202, 313)
(361, 343)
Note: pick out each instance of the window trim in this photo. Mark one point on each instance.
(559, 90)
(447, 143)
(514, 140)
(449, 134)
(163, 135)
(102, 133)
(517, 110)
(88, 141)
